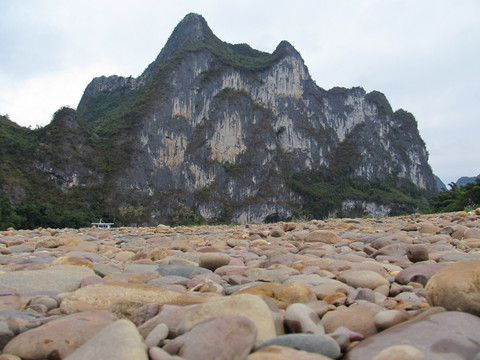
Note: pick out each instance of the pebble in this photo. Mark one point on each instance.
(419, 273)
(123, 299)
(182, 270)
(213, 261)
(429, 228)
(400, 352)
(59, 337)
(323, 290)
(156, 353)
(282, 294)
(417, 253)
(157, 335)
(167, 314)
(358, 318)
(363, 279)
(388, 318)
(300, 318)
(456, 287)
(219, 337)
(472, 233)
(59, 278)
(276, 352)
(49, 302)
(120, 340)
(358, 285)
(10, 300)
(318, 344)
(324, 236)
(250, 306)
(6, 334)
(445, 335)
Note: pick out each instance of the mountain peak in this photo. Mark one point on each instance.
(191, 31)
(287, 47)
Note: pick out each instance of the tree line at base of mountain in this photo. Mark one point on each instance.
(322, 195)
(463, 197)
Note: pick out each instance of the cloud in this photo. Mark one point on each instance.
(33, 101)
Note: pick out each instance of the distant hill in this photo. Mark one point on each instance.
(466, 179)
(440, 184)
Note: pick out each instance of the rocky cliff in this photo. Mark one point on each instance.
(233, 133)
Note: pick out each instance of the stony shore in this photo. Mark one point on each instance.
(391, 288)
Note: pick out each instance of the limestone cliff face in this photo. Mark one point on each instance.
(224, 135)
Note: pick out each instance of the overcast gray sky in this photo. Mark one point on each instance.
(423, 55)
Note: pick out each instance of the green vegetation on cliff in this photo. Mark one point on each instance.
(323, 194)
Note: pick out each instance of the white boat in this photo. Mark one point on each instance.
(102, 225)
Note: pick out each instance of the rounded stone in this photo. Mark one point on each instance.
(182, 270)
(251, 306)
(156, 353)
(417, 252)
(276, 352)
(358, 318)
(429, 228)
(324, 236)
(319, 344)
(334, 297)
(120, 340)
(388, 318)
(6, 334)
(59, 278)
(472, 242)
(456, 287)
(124, 256)
(213, 260)
(308, 279)
(21, 248)
(73, 260)
(202, 277)
(283, 294)
(324, 290)
(221, 337)
(49, 242)
(339, 267)
(400, 352)
(300, 318)
(157, 335)
(10, 300)
(289, 226)
(365, 294)
(48, 301)
(395, 250)
(276, 233)
(419, 273)
(140, 268)
(457, 257)
(438, 335)
(363, 279)
(472, 233)
(319, 307)
(60, 336)
(168, 314)
(124, 299)
(277, 274)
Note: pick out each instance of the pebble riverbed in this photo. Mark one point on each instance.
(390, 288)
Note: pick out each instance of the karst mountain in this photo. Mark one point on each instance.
(217, 132)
